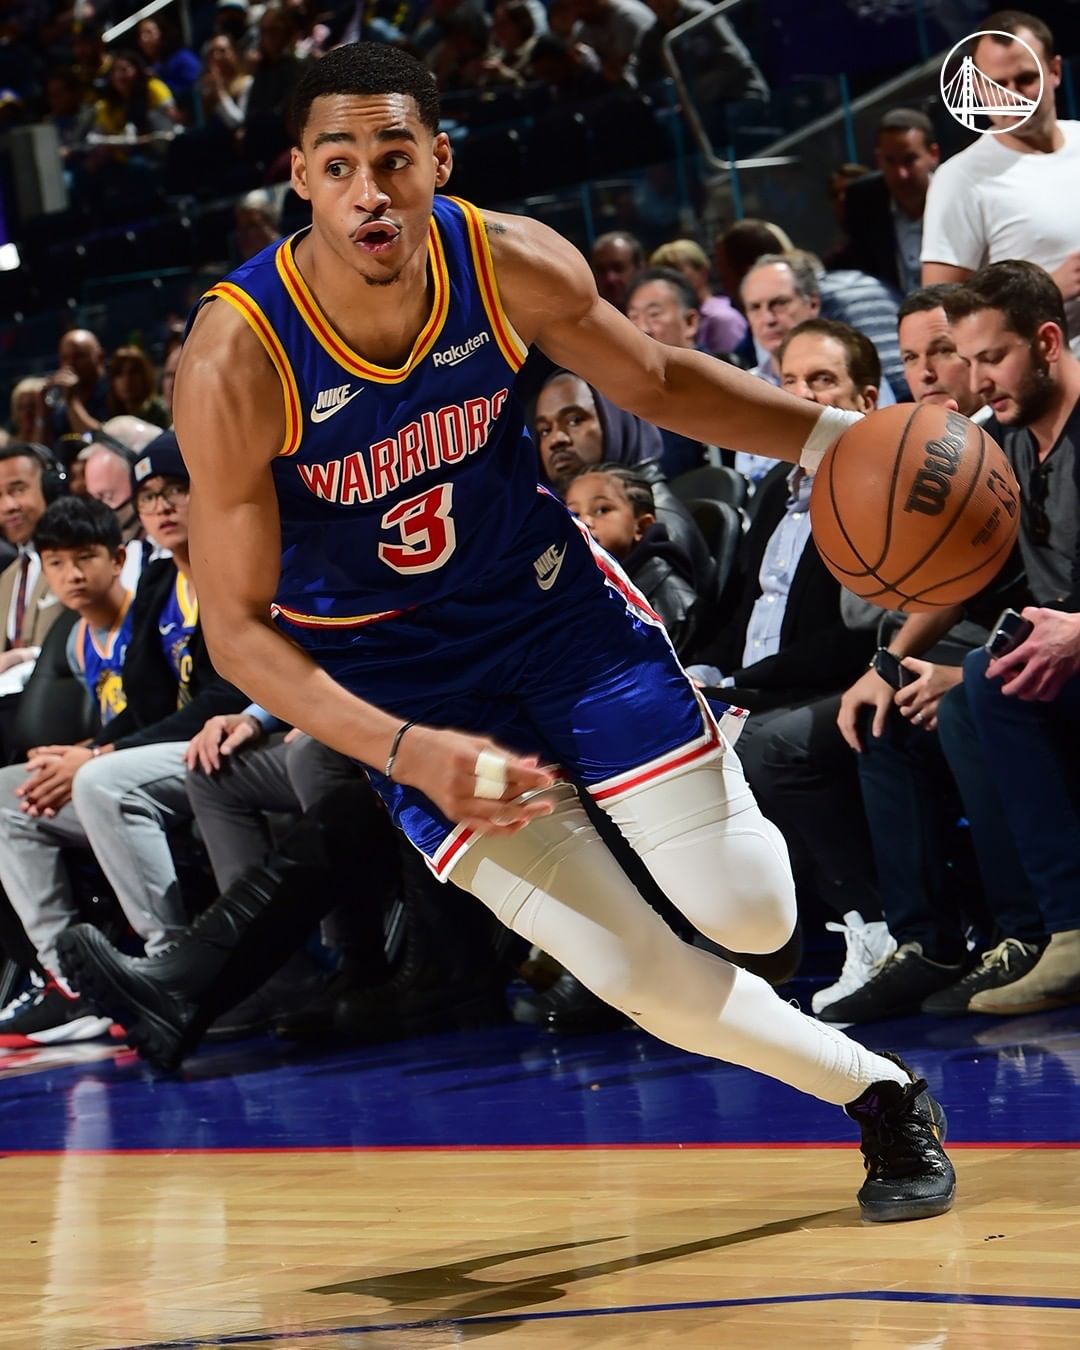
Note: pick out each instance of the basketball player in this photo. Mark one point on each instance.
(377, 566)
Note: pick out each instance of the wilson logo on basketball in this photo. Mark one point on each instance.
(914, 509)
(933, 482)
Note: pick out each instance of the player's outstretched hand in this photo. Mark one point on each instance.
(461, 775)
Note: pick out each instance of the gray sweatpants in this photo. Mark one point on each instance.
(121, 806)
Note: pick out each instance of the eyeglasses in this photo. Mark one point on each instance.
(169, 495)
(1038, 521)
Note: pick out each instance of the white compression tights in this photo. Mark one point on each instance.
(725, 866)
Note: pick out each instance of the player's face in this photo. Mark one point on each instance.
(772, 305)
(370, 168)
(1006, 371)
(162, 504)
(657, 310)
(906, 163)
(81, 577)
(568, 432)
(1011, 65)
(600, 502)
(816, 368)
(935, 370)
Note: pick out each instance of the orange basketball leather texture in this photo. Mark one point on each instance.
(915, 508)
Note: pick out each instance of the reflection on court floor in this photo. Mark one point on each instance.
(604, 1191)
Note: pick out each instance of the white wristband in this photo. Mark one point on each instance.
(828, 429)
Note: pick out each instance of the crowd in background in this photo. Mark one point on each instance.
(116, 106)
(930, 809)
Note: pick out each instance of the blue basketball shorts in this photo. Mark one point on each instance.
(552, 653)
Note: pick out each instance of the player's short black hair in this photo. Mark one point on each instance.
(684, 292)
(863, 362)
(927, 298)
(365, 68)
(1026, 294)
(78, 522)
(637, 487)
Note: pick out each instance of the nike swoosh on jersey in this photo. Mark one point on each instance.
(546, 583)
(320, 415)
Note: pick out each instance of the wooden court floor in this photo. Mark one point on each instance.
(271, 1234)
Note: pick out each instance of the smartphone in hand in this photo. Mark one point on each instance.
(891, 671)
(1008, 633)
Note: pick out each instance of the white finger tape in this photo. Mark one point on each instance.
(490, 775)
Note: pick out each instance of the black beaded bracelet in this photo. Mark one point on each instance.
(394, 747)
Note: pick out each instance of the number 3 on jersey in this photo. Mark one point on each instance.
(426, 529)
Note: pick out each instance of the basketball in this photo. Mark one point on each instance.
(915, 508)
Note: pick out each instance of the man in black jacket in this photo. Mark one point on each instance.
(118, 794)
(786, 641)
(884, 211)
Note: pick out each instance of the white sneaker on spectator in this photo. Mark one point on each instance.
(868, 945)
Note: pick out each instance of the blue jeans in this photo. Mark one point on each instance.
(912, 808)
(1030, 754)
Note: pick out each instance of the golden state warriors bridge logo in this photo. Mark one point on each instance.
(978, 102)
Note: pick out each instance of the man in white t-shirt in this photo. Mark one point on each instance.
(1012, 195)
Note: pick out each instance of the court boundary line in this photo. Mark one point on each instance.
(564, 1314)
(719, 1147)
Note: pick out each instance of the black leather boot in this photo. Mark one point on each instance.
(165, 1003)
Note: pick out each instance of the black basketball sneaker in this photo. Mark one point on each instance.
(908, 1175)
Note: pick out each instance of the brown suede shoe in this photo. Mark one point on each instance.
(1053, 982)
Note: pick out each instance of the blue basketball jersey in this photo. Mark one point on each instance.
(99, 659)
(396, 487)
(177, 621)
(411, 496)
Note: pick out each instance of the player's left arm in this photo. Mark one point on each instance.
(550, 297)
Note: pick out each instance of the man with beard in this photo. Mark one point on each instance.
(1009, 324)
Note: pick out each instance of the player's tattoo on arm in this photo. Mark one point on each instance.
(494, 227)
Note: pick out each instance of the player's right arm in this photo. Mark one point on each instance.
(230, 422)
(914, 637)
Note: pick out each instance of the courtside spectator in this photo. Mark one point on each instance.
(1006, 196)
